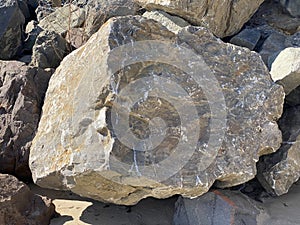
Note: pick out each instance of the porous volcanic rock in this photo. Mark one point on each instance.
(19, 206)
(185, 130)
(222, 17)
(22, 89)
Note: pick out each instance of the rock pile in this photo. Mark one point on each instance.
(125, 99)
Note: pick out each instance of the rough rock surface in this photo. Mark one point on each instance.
(293, 6)
(63, 19)
(223, 18)
(173, 23)
(277, 172)
(76, 147)
(246, 38)
(218, 208)
(19, 206)
(21, 95)
(49, 50)
(11, 22)
(99, 11)
(286, 69)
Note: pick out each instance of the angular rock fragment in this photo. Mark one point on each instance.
(49, 50)
(246, 38)
(119, 133)
(277, 172)
(22, 90)
(223, 18)
(218, 208)
(293, 6)
(19, 206)
(285, 69)
(63, 19)
(11, 22)
(173, 23)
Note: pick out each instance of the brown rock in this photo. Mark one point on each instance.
(19, 206)
(22, 91)
(222, 17)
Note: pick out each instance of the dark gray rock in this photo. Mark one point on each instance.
(218, 208)
(277, 172)
(293, 6)
(32, 31)
(246, 38)
(22, 90)
(11, 22)
(19, 206)
(49, 50)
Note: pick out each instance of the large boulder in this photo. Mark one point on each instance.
(22, 90)
(277, 172)
(19, 206)
(223, 18)
(118, 132)
(11, 22)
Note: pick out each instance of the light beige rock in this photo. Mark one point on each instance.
(82, 143)
(63, 19)
(173, 23)
(285, 69)
(222, 17)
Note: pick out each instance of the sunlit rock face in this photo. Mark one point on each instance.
(139, 111)
(222, 17)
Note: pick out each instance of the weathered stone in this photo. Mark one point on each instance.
(32, 31)
(246, 38)
(218, 208)
(293, 41)
(277, 172)
(44, 9)
(19, 206)
(223, 18)
(173, 23)
(77, 148)
(285, 69)
(273, 14)
(11, 22)
(21, 96)
(63, 19)
(76, 37)
(49, 49)
(293, 6)
(99, 11)
(274, 44)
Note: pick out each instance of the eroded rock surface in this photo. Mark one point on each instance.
(11, 22)
(22, 90)
(223, 18)
(19, 206)
(196, 142)
(277, 172)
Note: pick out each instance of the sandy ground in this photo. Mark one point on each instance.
(75, 210)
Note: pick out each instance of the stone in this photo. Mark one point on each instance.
(173, 23)
(43, 9)
(63, 19)
(11, 22)
(223, 18)
(78, 146)
(246, 38)
(293, 6)
(277, 172)
(272, 46)
(99, 11)
(76, 37)
(271, 13)
(19, 206)
(49, 49)
(218, 207)
(22, 89)
(32, 31)
(285, 69)
(293, 41)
